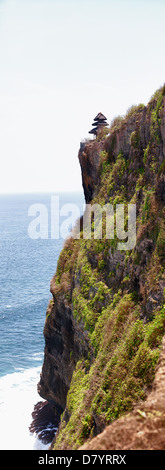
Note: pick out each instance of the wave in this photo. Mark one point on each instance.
(38, 356)
(18, 395)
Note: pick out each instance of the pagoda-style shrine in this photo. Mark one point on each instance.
(100, 121)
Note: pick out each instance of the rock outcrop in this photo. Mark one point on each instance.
(89, 159)
(106, 320)
(65, 342)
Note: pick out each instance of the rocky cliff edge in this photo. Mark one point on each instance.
(106, 319)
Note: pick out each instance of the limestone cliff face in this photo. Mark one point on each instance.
(65, 342)
(106, 319)
(89, 158)
(140, 141)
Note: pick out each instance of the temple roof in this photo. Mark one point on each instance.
(100, 117)
(93, 131)
(99, 121)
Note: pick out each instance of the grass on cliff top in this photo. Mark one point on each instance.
(128, 352)
(141, 161)
(133, 110)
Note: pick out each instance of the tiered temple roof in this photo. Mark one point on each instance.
(99, 121)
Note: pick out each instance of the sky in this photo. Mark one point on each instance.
(62, 62)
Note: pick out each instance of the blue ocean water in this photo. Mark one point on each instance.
(26, 268)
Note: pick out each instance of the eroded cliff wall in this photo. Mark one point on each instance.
(106, 319)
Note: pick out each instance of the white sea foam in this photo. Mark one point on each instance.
(38, 356)
(18, 395)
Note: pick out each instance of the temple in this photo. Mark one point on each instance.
(99, 121)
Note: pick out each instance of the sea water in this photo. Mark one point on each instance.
(26, 268)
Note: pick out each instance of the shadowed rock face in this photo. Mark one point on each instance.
(89, 160)
(65, 342)
(45, 422)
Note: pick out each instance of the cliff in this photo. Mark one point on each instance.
(106, 319)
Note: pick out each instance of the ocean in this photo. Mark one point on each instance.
(26, 268)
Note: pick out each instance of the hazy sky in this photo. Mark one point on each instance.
(62, 62)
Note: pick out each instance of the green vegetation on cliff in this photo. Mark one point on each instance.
(124, 365)
(117, 295)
